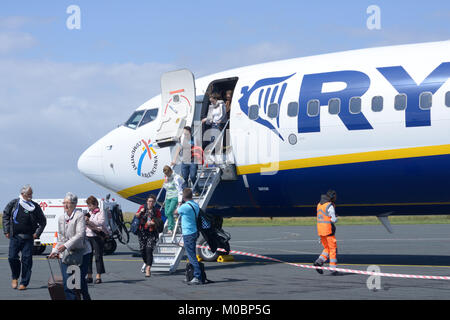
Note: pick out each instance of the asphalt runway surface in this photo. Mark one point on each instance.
(411, 249)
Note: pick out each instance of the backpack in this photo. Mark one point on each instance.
(204, 220)
(189, 273)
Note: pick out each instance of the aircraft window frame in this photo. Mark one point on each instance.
(148, 111)
(351, 102)
(403, 105)
(250, 115)
(270, 114)
(374, 105)
(423, 94)
(338, 106)
(133, 116)
(308, 108)
(447, 99)
(290, 109)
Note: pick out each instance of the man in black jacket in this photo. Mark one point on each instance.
(23, 221)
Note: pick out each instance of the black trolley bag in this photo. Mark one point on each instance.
(55, 284)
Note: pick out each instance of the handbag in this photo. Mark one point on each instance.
(72, 257)
(135, 225)
(159, 224)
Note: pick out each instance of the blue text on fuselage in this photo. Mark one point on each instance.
(356, 85)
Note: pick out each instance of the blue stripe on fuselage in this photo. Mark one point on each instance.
(402, 186)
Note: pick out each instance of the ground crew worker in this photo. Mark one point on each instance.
(326, 218)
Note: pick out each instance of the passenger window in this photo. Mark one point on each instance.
(400, 102)
(447, 99)
(425, 100)
(253, 112)
(355, 105)
(134, 120)
(293, 109)
(334, 106)
(377, 103)
(313, 108)
(149, 116)
(272, 111)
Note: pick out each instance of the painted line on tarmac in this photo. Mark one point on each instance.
(111, 260)
(340, 240)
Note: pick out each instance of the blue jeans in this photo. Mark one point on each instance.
(16, 245)
(189, 169)
(70, 294)
(190, 243)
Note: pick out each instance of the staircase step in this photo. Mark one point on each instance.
(161, 249)
(168, 239)
(164, 255)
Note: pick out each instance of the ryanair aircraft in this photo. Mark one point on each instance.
(372, 124)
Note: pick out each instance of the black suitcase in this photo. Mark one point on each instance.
(55, 285)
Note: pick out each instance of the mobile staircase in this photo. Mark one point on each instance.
(169, 250)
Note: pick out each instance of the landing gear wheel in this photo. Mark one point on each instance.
(204, 253)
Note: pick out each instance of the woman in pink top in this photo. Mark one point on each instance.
(95, 232)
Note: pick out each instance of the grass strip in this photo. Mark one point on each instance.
(311, 221)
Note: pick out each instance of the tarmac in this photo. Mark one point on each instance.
(411, 249)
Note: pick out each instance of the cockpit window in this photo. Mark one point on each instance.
(149, 116)
(134, 120)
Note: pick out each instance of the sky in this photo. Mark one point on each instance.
(61, 88)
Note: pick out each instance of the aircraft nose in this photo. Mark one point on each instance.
(90, 164)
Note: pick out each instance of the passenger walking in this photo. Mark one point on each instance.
(23, 221)
(149, 218)
(326, 218)
(216, 119)
(96, 233)
(72, 247)
(189, 212)
(191, 157)
(173, 184)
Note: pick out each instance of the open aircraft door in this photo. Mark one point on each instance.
(178, 105)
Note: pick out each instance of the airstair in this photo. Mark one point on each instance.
(169, 250)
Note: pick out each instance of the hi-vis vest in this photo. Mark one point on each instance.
(323, 220)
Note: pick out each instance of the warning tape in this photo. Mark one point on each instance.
(380, 274)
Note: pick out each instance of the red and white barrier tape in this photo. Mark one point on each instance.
(380, 274)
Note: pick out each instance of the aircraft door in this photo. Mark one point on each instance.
(178, 105)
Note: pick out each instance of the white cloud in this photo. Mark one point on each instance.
(51, 112)
(14, 41)
(13, 22)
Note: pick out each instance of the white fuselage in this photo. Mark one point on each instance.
(358, 121)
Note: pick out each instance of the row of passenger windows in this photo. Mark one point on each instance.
(334, 105)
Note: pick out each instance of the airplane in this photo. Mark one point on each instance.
(372, 124)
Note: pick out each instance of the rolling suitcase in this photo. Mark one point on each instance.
(55, 285)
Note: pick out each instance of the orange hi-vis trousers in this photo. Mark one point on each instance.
(329, 250)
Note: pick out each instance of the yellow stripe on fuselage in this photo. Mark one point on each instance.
(314, 162)
(129, 192)
(345, 159)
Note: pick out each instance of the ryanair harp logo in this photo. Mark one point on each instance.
(264, 93)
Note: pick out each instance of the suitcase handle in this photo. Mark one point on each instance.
(50, 266)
